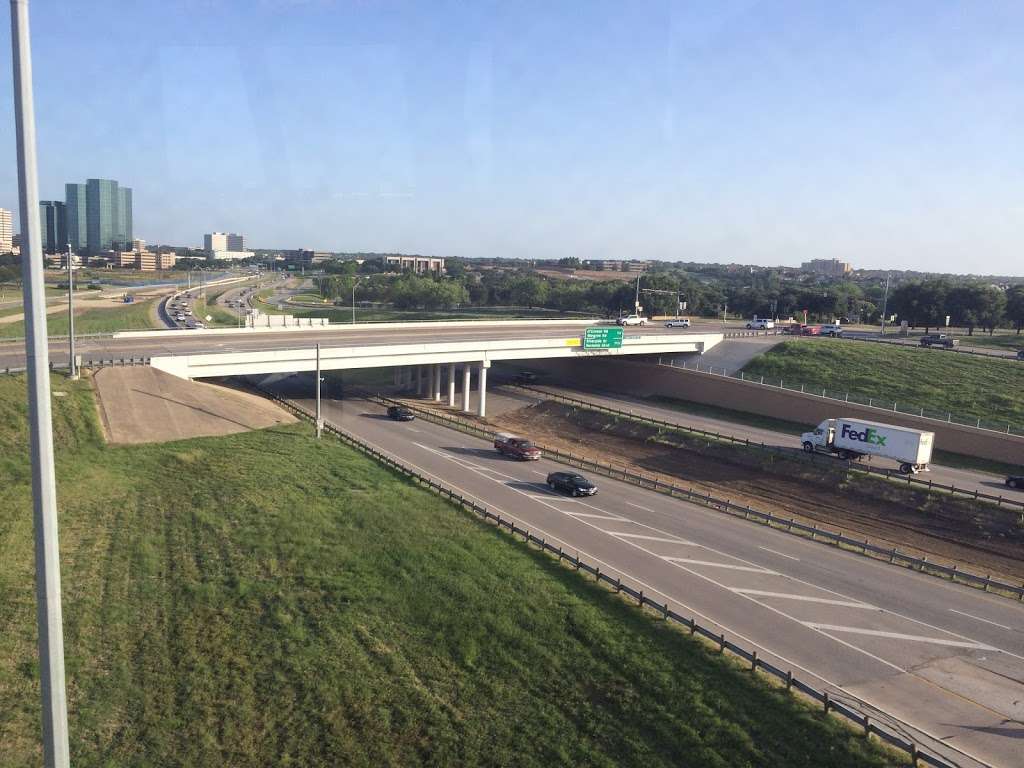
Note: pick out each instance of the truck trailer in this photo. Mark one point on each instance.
(850, 438)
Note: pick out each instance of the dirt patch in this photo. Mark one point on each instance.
(977, 535)
(144, 405)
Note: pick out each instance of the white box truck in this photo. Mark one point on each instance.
(853, 438)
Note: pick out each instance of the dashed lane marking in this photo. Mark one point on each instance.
(689, 561)
(805, 598)
(595, 517)
(645, 509)
(897, 636)
(780, 554)
(978, 618)
(667, 539)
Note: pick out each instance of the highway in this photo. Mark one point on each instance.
(967, 479)
(943, 658)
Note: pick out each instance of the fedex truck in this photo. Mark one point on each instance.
(853, 438)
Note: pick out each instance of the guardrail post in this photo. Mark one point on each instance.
(988, 580)
(640, 600)
(721, 643)
(789, 680)
(753, 662)
(693, 624)
(867, 725)
(826, 702)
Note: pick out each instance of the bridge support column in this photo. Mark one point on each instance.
(482, 399)
(428, 392)
(396, 375)
(437, 383)
(467, 372)
(451, 385)
(419, 380)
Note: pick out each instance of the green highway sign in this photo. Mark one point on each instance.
(602, 338)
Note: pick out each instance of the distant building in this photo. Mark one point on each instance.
(421, 265)
(98, 216)
(308, 258)
(615, 265)
(226, 246)
(6, 231)
(827, 267)
(145, 261)
(234, 242)
(138, 245)
(53, 226)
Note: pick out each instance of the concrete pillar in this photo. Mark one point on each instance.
(437, 383)
(396, 376)
(451, 385)
(467, 371)
(482, 399)
(419, 380)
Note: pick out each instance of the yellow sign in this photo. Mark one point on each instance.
(572, 342)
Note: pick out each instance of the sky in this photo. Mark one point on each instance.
(887, 134)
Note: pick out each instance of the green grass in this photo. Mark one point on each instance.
(1009, 342)
(221, 317)
(968, 387)
(269, 599)
(106, 319)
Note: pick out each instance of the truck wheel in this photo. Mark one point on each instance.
(906, 468)
(844, 455)
(808, 447)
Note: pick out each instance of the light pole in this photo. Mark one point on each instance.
(319, 417)
(885, 303)
(355, 282)
(680, 304)
(72, 363)
(49, 614)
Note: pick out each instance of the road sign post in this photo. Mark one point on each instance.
(602, 338)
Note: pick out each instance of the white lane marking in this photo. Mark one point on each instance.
(712, 564)
(595, 517)
(538, 472)
(645, 509)
(897, 636)
(805, 598)
(780, 554)
(411, 429)
(978, 618)
(668, 539)
(552, 496)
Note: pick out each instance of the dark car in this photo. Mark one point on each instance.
(1020, 354)
(400, 413)
(1015, 481)
(939, 340)
(571, 483)
(516, 447)
(526, 377)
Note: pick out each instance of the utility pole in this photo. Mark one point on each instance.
(72, 363)
(885, 302)
(49, 615)
(355, 282)
(319, 418)
(680, 304)
(636, 300)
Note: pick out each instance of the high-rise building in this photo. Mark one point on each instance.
(76, 217)
(217, 241)
(53, 226)
(98, 215)
(6, 231)
(827, 267)
(234, 242)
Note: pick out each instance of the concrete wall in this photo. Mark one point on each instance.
(645, 380)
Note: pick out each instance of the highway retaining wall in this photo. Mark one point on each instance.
(649, 379)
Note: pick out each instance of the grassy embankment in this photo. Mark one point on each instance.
(106, 318)
(223, 608)
(967, 386)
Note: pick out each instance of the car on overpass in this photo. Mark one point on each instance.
(632, 320)
(1015, 481)
(832, 329)
(939, 340)
(1020, 354)
(679, 322)
(571, 483)
(760, 324)
(516, 447)
(400, 413)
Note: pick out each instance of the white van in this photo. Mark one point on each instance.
(832, 329)
(760, 324)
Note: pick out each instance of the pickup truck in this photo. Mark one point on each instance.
(632, 320)
(939, 340)
(516, 447)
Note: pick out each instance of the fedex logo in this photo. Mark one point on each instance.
(869, 435)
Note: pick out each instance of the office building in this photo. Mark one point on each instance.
(98, 216)
(53, 226)
(6, 231)
(421, 265)
(234, 242)
(138, 245)
(827, 267)
(223, 241)
(75, 216)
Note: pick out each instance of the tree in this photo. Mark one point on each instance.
(973, 304)
(1015, 307)
(921, 303)
(569, 261)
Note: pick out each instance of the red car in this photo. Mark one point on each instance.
(811, 330)
(516, 447)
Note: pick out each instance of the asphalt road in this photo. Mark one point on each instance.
(944, 659)
(914, 341)
(967, 479)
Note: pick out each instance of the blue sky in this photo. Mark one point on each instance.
(889, 134)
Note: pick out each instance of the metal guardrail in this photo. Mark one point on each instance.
(792, 455)
(847, 711)
(845, 398)
(106, 362)
(980, 352)
(862, 547)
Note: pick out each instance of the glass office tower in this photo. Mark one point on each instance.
(75, 216)
(53, 223)
(124, 218)
(99, 216)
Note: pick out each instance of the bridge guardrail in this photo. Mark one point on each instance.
(790, 525)
(844, 709)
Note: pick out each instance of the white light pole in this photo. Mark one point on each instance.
(355, 282)
(885, 303)
(319, 417)
(44, 487)
(72, 365)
